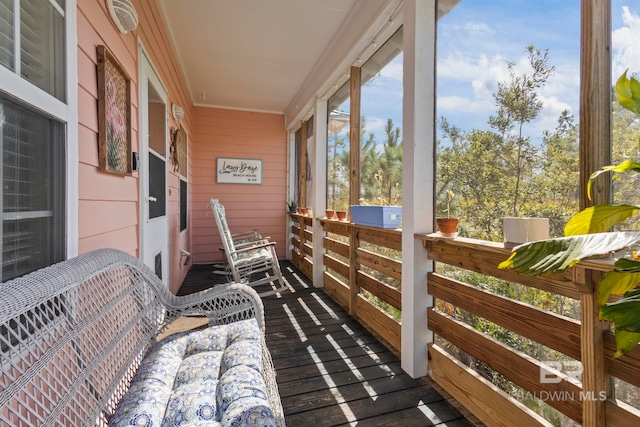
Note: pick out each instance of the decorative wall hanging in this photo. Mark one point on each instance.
(114, 115)
(174, 147)
(178, 143)
(238, 171)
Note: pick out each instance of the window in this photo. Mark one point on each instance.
(381, 122)
(35, 49)
(507, 114)
(33, 133)
(183, 204)
(338, 149)
(33, 189)
(182, 162)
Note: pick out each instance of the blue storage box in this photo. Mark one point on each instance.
(377, 216)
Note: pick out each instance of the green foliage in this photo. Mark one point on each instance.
(380, 168)
(597, 219)
(558, 254)
(504, 172)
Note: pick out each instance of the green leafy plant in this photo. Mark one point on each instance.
(588, 234)
(291, 205)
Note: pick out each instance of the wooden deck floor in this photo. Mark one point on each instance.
(331, 371)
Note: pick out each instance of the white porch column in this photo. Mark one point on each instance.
(418, 177)
(319, 170)
(291, 187)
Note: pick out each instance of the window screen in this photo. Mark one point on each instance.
(33, 189)
(157, 186)
(183, 205)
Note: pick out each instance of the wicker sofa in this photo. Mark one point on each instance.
(79, 347)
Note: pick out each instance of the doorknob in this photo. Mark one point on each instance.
(151, 199)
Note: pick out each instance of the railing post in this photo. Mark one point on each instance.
(354, 289)
(319, 190)
(595, 389)
(301, 229)
(595, 98)
(418, 177)
(303, 165)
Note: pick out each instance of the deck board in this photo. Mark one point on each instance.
(331, 371)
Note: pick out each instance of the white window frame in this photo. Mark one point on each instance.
(13, 84)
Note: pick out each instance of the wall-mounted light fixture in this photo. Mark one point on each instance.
(123, 14)
(177, 111)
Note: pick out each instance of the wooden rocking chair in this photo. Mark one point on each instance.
(249, 254)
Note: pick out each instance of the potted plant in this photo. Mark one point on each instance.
(588, 234)
(291, 205)
(448, 225)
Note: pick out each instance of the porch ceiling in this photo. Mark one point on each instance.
(253, 54)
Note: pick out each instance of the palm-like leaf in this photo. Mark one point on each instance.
(625, 313)
(628, 93)
(624, 277)
(558, 254)
(625, 341)
(616, 283)
(626, 166)
(549, 256)
(625, 265)
(598, 219)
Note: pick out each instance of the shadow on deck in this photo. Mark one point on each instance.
(330, 370)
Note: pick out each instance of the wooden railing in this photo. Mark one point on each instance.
(358, 278)
(588, 402)
(366, 282)
(301, 242)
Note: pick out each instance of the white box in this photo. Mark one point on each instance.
(523, 230)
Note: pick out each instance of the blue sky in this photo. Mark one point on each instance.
(478, 37)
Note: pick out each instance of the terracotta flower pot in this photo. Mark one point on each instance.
(303, 211)
(342, 215)
(447, 226)
(329, 213)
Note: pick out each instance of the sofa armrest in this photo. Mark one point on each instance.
(222, 304)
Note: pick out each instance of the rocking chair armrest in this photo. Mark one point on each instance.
(262, 244)
(222, 304)
(252, 243)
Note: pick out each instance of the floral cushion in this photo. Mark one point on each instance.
(210, 377)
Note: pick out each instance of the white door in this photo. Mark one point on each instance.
(153, 170)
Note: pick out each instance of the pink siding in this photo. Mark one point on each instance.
(238, 134)
(108, 204)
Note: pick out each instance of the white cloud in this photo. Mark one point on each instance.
(548, 118)
(626, 49)
(464, 104)
(478, 29)
(467, 85)
(393, 70)
(376, 125)
(481, 72)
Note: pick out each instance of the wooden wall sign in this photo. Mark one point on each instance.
(238, 171)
